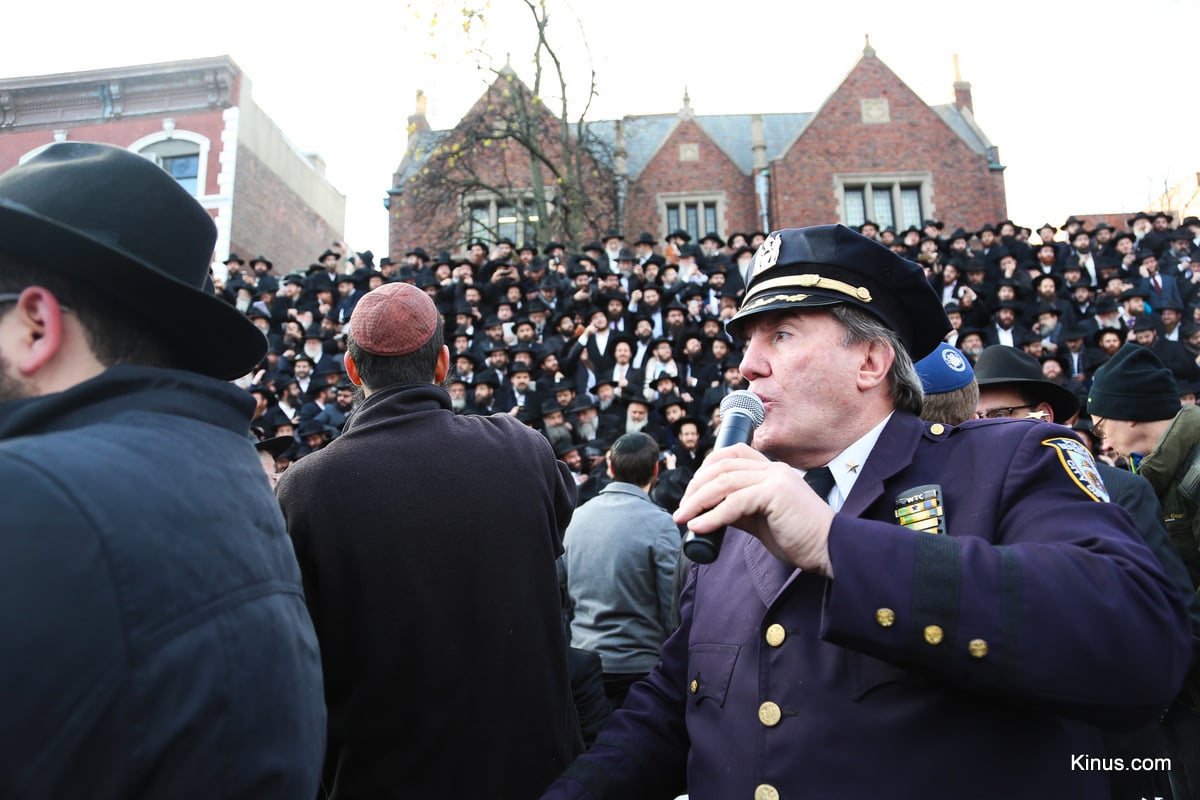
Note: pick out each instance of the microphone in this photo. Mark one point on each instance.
(741, 413)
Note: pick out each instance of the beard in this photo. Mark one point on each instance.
(586, 430)
(558, 434)
(458, 404)
(314, 352)
(12, 388)
(635, 427)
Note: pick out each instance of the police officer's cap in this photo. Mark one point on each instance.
(827, 265)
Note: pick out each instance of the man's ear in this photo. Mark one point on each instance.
(442, 369)
(876, 363)
(352, 371)
(39, 318)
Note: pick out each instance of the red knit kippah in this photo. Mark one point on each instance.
(393, 320)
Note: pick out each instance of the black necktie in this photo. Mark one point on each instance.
(821, 480)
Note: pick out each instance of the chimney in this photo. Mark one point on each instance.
(417, 122)
(758, 142)
(962, 90)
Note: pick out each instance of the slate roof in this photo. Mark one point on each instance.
(644, 135)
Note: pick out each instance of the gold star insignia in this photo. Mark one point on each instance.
(851, 466)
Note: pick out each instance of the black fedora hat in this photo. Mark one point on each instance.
(121, 224)
(276, 446)
(1000, 365)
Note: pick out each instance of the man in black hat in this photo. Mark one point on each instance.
(1157, 288)
(1004, 329)
(412, 594)
(884, 583)
(1177, 257)
(643, 248)
(990, 249)
(151, 632)
(1173, 354)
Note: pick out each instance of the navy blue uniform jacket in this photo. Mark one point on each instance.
(973, 664)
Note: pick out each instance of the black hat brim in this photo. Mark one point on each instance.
(1062, 400)
(205, 334)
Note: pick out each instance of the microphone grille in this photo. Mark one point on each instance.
(747, 402)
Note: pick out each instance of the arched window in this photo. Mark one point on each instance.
(183, 154)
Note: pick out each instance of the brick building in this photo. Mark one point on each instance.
(873, 150)
(197, 120)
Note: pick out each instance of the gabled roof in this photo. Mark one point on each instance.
(418, 153)
(732, 133)
(966, 129)
(645, 136)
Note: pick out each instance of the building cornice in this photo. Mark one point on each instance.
(80, 98)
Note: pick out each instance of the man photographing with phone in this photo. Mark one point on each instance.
(889, 591)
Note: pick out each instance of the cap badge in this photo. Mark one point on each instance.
(768, 254)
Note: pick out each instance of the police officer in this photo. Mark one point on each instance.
(952, 606)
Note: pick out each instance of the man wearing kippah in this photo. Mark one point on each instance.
(436, 604)
(1134, 403)
(899, 609)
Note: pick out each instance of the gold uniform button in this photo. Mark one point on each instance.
(694, 687)
(765, 791)
(769, 714)
(775, 635)
(933, 634)
(885, 617)
(977, 648)
(937, 429)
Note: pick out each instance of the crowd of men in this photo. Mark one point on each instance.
(372, 622)
(629, 336)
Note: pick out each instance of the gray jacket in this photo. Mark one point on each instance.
(621, 551)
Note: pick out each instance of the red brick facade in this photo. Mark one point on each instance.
(284, 209)
(963, 191)
(672, 172)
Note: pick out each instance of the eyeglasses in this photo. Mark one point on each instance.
(1000, 413)
(1098, 426)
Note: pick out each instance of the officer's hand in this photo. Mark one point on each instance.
(768, 499)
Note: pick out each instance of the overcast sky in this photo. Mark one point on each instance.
(1093, 106)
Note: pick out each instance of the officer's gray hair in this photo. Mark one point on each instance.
(861, 327)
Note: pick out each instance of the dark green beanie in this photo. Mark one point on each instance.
(1134, 385)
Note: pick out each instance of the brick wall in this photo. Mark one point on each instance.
(477, 157)
(965, 192)
(270, 219)
(711, 171)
